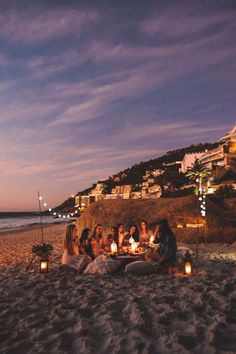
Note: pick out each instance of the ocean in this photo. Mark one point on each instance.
(15, 220)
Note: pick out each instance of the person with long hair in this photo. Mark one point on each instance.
(99, 240)
(85, 243)
(133, 233)
(167, 250)
(121, 234)
(144, 232)
(113, 236)
(71, 250)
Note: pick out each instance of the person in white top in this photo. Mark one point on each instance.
(121, 234)
(71, 250)
(144, 232)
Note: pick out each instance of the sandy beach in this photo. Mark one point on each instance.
(64, 312)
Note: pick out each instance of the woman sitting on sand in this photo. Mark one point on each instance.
(166, 255)
(113, 236)
(132, 234)
(85, 243)
(71, 250)
(144, 233)
(121, 234)
(99, 241)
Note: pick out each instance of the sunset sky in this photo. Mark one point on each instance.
(88, 88)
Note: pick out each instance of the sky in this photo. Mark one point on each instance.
(88, 88)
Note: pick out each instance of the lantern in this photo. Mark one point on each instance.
(134, 247)
(152, 238)
(188, 266)
(43, 266)
(113, 247)
(131, 240)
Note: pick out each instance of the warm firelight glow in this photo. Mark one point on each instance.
(113, 247)
(43, 266)
(134, 247)
(152, 238)
(131, 240)
(188, 268)
(179, 226)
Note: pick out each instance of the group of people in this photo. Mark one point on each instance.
(94, 243)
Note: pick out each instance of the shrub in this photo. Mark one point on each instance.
(226, 191)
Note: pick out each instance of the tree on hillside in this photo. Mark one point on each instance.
(171, 178)
(198, 171)
(226, 191)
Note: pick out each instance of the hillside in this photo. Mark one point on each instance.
(179, 211)
(134, 174)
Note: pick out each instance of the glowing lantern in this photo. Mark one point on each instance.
(152, 238)
(134, 247)
(113, 247)
(131, 240)
(188, 267)
(43, 265)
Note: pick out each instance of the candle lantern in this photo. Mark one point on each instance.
(131, 240)
(134, 247)
(43, 265)
(113, 247)
(152, 238)
(188, 264)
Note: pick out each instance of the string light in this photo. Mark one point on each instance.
(59, 215)
(202, 199)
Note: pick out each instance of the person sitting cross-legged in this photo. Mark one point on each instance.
(165, 256)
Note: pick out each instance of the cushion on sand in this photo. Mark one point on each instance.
(66, 268)
(102, 265)
(142, 268)
(182, 250)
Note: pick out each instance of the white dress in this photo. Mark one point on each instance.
(69, 259)
(78, 262)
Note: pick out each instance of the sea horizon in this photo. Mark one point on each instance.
(17, 220)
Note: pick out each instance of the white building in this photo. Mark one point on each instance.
(122, 190)
(189, 159)
(222, 155)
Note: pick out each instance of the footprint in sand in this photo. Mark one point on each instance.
(224, 337)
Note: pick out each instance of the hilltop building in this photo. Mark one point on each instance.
(222, 155)
(98, 191)
(189, 159)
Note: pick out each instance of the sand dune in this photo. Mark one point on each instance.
(64, 312)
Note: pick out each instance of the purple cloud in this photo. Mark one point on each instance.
(42, 24)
